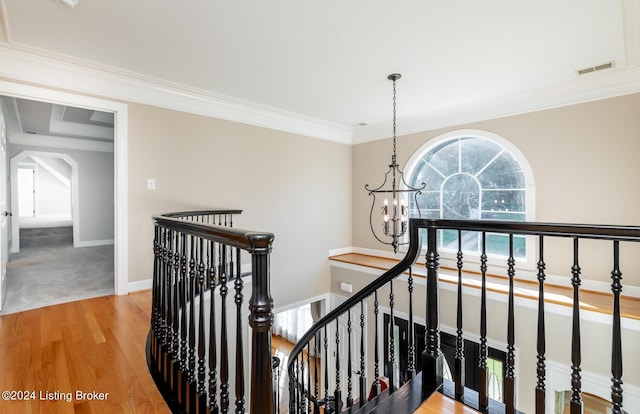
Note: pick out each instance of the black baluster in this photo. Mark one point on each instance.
(337, 395)
(164, 293)
(239, 299)
(616, 345)
(349, 366)
(327, 409)
(307, 393)
(510, 377)
(411, 363)
(164, 312)
(541, 344)
(459, 355)
(432, 358)
(299, 384)
(292, 394)
(171, 345)
(363, 376)
(184, 293)
(576, 357)
(316, 391)
(376, 356)
(155, 290)
(213, 357)
(224, 341)
(192, 377)
(192, 312)
(202, 369)
(175, 289)
(483, 373)
(184, 327)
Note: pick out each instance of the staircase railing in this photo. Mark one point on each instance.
(334, 377)
(197, 344)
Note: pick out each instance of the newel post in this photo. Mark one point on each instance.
(260, 321)
(432, 358)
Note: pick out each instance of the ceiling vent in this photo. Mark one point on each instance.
(591, 69)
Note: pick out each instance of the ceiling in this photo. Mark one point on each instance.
(31, 121)
(329, 60)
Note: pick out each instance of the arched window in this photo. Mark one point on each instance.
(473, 175)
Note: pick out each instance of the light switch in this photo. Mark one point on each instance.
(151, 183)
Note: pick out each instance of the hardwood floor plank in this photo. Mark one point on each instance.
(441, 404)
(92, 346)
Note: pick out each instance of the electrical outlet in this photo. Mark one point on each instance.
(151, 183)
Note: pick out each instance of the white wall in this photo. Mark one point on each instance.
(95, 192)
(296, 187)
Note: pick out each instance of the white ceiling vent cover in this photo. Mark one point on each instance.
(591, 69)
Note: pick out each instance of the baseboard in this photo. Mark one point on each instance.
(139, 285)
(93, 243)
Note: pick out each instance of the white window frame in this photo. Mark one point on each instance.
(448, 258)
(36, 199)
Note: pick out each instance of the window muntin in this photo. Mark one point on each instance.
(471, 177)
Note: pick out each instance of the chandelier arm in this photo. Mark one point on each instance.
(376, 190)
(371, 220)
(415, 200)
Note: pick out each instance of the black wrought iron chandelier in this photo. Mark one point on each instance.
(395, 213)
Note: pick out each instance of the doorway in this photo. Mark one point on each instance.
(44, 194)
(119, 183)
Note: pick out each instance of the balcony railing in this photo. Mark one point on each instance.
(332, 368)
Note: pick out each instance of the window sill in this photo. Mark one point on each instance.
(598, 302)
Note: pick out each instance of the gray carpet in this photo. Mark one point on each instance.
(48, 275)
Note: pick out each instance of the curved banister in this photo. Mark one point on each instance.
(410, 257)
(179, 214)
(231, 236)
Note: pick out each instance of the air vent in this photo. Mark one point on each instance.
(591, 69)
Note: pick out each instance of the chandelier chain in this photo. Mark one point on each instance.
(394, 122)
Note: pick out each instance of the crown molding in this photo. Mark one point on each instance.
(586, 88)
(56, 71)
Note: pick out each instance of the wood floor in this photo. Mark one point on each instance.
(89, 357)
(441, 404)
(94, 346)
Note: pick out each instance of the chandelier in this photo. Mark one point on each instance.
(394, 217)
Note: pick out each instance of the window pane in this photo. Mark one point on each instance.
(504, 200)
(461, 198)
(429, 200)
(444, 158)
(476, 153)
(503, 172)
(424, 173)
